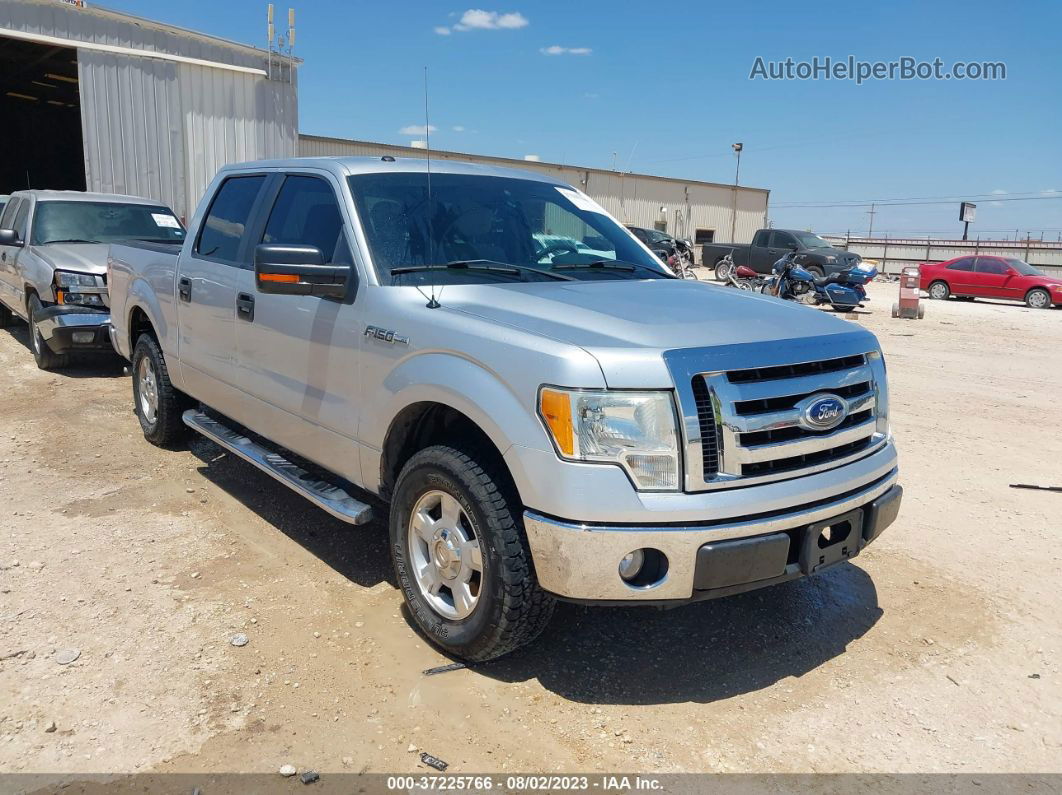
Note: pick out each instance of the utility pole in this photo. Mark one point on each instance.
(737, 173)
(613, 161)
(871, 212)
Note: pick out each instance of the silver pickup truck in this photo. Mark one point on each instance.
(53, 260)
(544, 419)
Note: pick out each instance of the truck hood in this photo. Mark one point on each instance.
(627, 325)
(78, 257)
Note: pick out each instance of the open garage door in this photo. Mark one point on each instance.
(40, 116)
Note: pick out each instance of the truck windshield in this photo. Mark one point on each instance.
(808, 240)
(531, 225)
(103, 222)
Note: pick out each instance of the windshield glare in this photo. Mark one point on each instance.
(103, 222)
(1024, 268)
(486, 219)
(808, 240)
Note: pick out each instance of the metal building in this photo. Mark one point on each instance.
(701, 211)
(98, 100)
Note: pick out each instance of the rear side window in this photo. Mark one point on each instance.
(964, 264)
(306, 213)
(226, 220)
(782, 240)
(987, 265)
(761, 238)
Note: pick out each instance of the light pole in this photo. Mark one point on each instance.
(737, 173)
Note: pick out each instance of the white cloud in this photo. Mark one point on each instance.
(556, 49)
(1000, 192)
(478, 19)
(1049, 191)
(417, 129)
(458, 128)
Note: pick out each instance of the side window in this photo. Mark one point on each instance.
(782, 240)
(964, 264)
(990, 265)
(760, 240)
(306, 213)
(702, 236)
(225, 221)
(7, 220)
(21, 223)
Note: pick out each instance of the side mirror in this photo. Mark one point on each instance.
(9, 237)
(284, 269)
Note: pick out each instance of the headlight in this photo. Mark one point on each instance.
(68, 280)
(635, 430)
(82, 299)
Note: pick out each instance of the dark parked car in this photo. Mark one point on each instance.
(770, 245)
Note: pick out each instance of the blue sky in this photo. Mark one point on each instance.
(667, 88)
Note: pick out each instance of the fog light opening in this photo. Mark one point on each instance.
(83, 337)
(643, 568)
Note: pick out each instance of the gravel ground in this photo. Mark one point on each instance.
(936, 650)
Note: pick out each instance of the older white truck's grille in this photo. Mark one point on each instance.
(753, 424)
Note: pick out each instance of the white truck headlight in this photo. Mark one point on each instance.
(635, 430)
(69, 280)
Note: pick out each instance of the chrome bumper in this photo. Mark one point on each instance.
(49, 324)
(579, 561)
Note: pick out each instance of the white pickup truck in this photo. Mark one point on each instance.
(544, 419)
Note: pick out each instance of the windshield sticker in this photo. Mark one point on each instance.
(166, 221)
(581, 200)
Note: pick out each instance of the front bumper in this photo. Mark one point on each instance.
(73, 329)
(581, 562)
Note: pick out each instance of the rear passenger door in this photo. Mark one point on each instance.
(298, 354)
(206, 294)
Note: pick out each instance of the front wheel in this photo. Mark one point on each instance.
(1038, 299)
(45, 357)
(723, 269)
(461, 557)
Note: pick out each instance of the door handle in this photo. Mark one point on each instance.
(184, 289)
(245, 306)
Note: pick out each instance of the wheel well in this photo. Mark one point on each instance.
(139, 324)
(425, 424)
(1041, 289)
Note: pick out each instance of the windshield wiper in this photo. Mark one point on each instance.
(69, 240)
(480, 265)
(616, 264)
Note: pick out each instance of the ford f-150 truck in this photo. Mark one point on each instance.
(770, 245)
(537, 421)
(53, 259)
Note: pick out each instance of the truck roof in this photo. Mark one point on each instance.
(346, 166)
(84, 196)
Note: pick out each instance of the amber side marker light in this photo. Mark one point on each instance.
(556, 408)
(285, 278)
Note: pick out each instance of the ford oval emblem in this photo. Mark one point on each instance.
(822, 411)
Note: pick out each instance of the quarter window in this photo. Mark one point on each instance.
(993, 266)
(964, 264)
(227, 218)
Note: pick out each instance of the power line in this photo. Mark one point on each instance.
(907, 203)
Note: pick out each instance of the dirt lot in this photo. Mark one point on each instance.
(937, 650)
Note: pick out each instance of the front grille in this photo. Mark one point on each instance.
(709, 428)
(751, 424)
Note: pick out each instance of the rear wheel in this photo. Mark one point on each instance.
(461, 556)
(816, 271)
(157, 403)
(1038, 299)
(44, 356)
(939, 291)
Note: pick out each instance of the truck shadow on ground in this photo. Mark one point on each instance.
(95, 365)
(701, 652)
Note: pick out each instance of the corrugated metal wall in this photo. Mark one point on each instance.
(158, 128)
(634, 199)
(895, 254)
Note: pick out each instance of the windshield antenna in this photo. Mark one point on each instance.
(433, 302)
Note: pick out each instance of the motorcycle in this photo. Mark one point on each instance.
(843, 291)
(677, 257)
(744, 278)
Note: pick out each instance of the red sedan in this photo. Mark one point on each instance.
(991, 277)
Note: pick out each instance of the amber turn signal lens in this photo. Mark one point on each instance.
(285, 278)
(556, 408)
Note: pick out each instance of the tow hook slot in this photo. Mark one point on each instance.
(831, 541)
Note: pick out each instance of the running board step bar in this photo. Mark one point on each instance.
(326, 496)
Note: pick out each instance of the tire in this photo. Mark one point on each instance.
(502, 607)
(45, 358)
(1038, 298)
(816, 271)
(921, 310)
(895, 310)
(722, 270)
(938, 291)
(158, 405)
